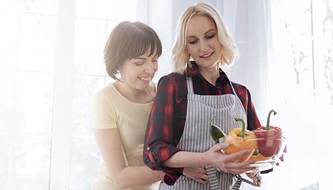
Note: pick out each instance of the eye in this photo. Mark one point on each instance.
(192, 41)
(138, 62)
(210, 36)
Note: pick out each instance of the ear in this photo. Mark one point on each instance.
(118, 75)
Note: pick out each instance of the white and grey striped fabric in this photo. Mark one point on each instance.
(196, 137)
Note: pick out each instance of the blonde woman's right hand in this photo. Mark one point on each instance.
(227, 162)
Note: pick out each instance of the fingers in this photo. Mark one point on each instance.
(285, 149)
(238, 167)
(256, 178)
(201, 170)
(201, 180)
(230, 166)
(197, 174)
(228, 162)
(237, 155)
(282, 158)
(204, 179)
(256, 181)
(221, 146)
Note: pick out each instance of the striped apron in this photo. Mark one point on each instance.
(196, 136)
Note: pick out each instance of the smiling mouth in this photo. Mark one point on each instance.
(206, 55)
(146, 78)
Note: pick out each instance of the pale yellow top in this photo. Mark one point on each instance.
(112, 110)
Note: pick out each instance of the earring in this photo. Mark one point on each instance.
(118, 75)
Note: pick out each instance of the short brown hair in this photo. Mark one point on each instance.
(129, 40)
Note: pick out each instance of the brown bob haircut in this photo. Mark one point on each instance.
(129, 40)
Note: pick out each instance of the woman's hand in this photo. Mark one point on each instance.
(256, 178)
(282, 156)
(197, 174)
(227, 162)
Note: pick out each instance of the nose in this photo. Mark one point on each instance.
(204, 46)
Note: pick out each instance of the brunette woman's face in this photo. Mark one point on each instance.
(202, 41)
(139, 71)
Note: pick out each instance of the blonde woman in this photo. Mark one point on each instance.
(178, 132)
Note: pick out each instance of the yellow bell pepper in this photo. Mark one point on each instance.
(241, 139)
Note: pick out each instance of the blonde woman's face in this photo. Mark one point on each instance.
(202, 41)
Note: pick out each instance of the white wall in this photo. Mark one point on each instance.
(240, 18)
(163, 17)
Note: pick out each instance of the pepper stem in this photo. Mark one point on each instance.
(268, 127)
(242, 134)
(211, 120)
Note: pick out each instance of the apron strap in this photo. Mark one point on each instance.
(239, 181)
(213, 181)
(189, 85)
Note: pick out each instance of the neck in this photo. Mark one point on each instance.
(210, 74)
(135, 95)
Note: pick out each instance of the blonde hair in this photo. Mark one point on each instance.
(180, 57)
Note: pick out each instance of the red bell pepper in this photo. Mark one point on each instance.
(269, 138)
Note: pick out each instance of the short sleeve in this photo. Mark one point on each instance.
(103, 112)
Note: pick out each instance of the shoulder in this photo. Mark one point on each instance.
(106, 90)
(241, 89)
(104, 112)
(104, 95)
(238, 86)
(172, 85)
(172, 79)
(174, 76)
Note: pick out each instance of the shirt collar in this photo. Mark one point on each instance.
(194, 71)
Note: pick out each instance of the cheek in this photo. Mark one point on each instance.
(218, 45)
(155, 66)
(190, 50)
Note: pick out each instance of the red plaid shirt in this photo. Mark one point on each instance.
(168, 115)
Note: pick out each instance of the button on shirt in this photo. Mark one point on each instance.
(167, 118)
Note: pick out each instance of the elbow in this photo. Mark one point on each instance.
(149, 160)
(121, 184)
(119, 180)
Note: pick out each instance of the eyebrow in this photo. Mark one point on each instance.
(205, 33)
(139, 58)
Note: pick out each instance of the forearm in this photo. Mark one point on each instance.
(136, 176)
(113, 154)
(183, 159)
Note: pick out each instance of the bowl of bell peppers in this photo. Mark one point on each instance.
(266, 142)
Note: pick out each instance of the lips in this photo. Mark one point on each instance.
(207, 55)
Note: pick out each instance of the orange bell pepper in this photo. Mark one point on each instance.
(241, 139)
(257, 156)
